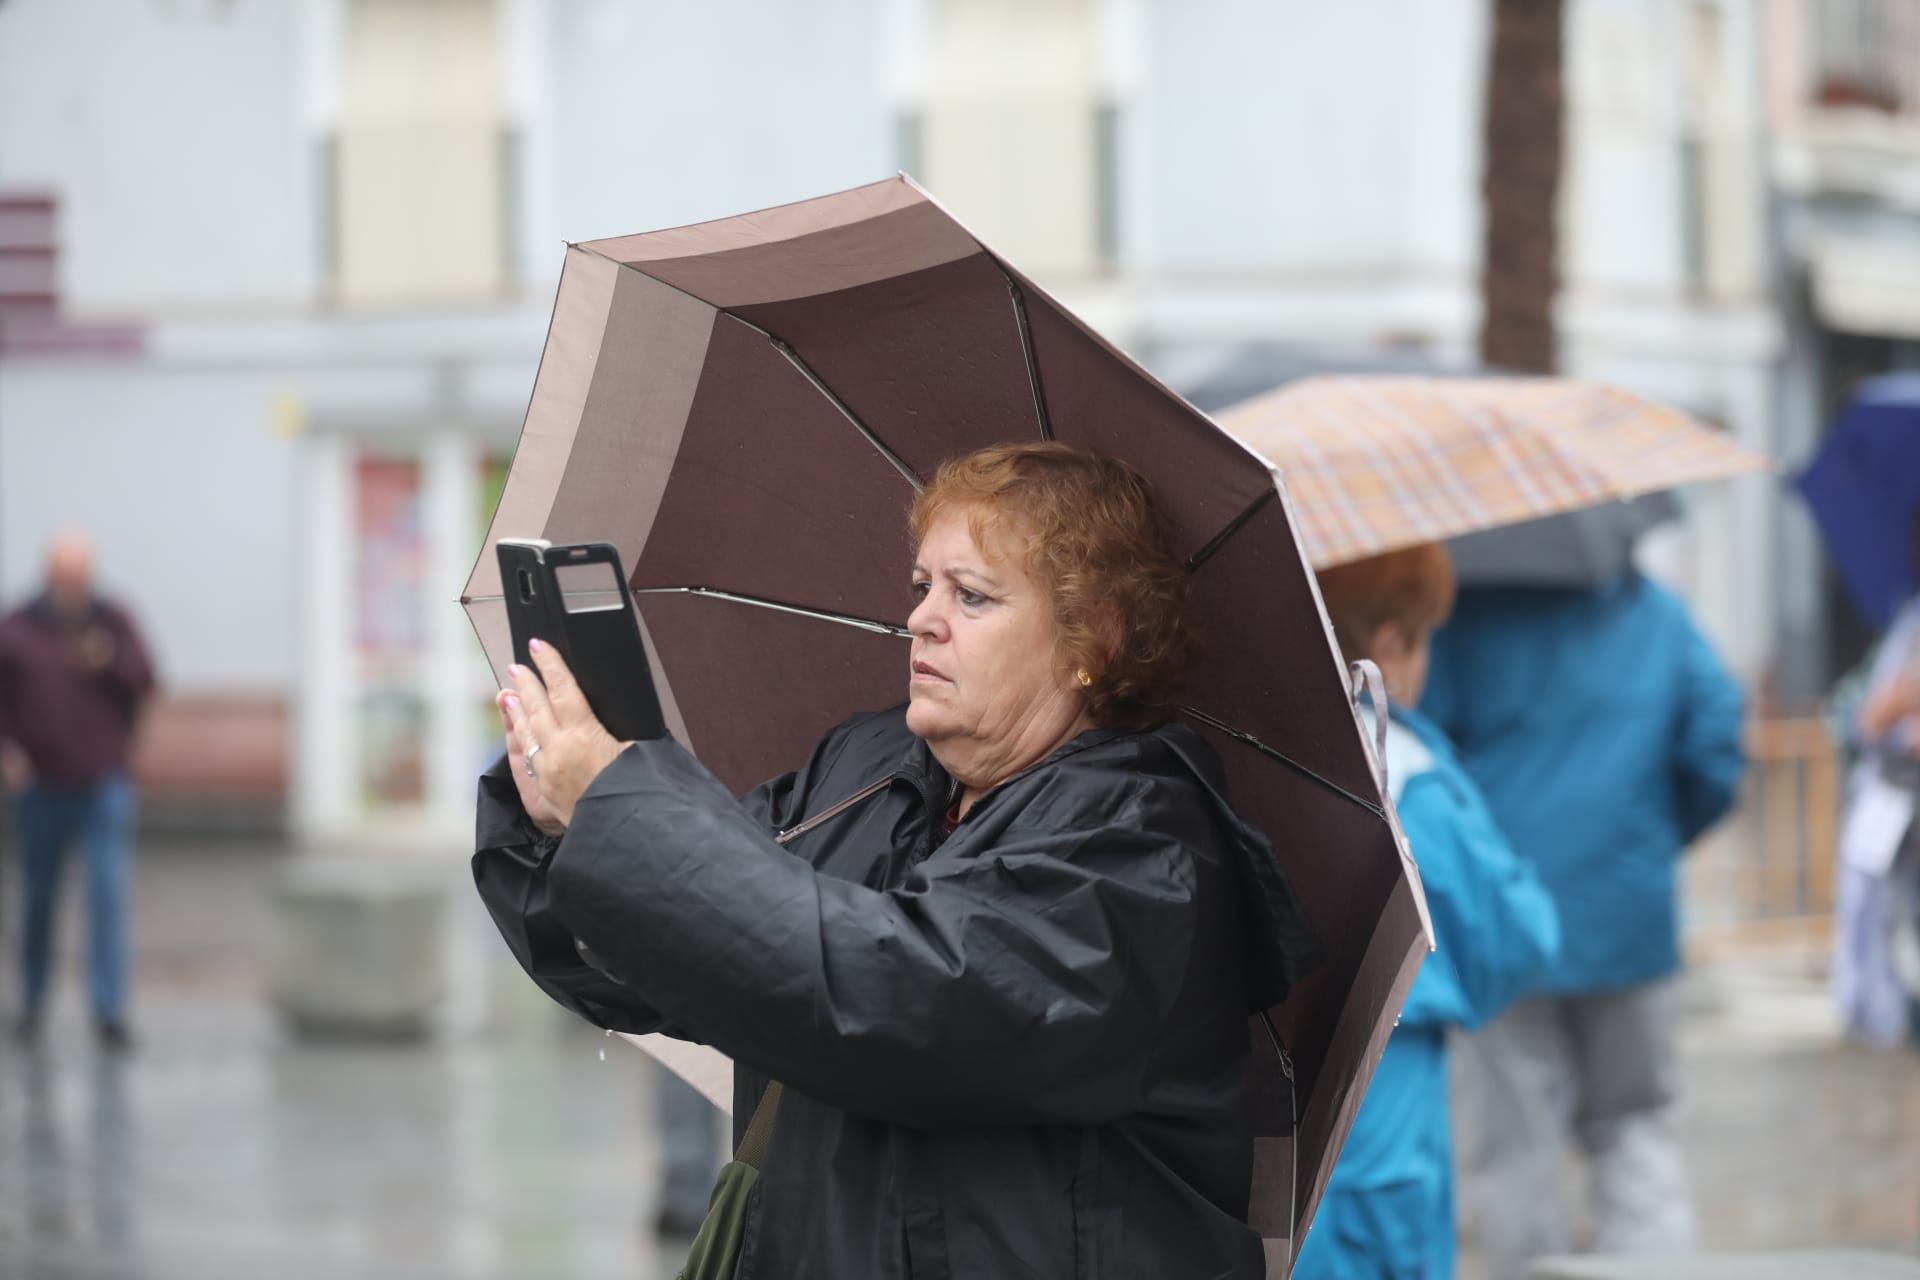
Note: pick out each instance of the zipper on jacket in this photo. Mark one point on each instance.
(936, 833)
(832, 810)
(1293, 1144)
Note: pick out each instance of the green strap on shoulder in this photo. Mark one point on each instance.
(753, 1143)
(715, 1254)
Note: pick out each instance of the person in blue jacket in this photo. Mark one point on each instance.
(1388, 1208)
(1605, 734)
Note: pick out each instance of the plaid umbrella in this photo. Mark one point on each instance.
(1374, 464)
(746, 407)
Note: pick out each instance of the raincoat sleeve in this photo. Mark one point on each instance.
(1707, 757)
(510, 871)
(1029, 984)
(1495, 927)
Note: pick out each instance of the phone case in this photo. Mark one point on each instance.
(596, 632)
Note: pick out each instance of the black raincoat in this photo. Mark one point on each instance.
(1019, 1050)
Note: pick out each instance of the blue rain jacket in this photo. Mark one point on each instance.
(1388, 1209)
(1605, 734)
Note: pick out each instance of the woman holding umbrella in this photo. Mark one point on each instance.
(1002, 965)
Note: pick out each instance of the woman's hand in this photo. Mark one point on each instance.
(555, 746)
(507, 702)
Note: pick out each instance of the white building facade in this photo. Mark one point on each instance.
(336, 225)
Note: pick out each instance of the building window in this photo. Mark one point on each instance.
(1013, 134)
(416, 176)
(1867, 55)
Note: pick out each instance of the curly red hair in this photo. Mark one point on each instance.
(1089, 528)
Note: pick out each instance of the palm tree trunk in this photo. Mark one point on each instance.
(1521, 185)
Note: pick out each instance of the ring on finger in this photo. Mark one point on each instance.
(532, 751)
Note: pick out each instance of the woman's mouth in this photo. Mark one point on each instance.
(922, 671)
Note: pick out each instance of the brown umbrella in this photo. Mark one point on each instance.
(745, 407)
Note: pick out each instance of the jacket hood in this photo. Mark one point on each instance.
(1285, 949)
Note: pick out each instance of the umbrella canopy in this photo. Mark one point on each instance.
(746, 407)
(1376, 464)
(1863, 488)
(1586, 548)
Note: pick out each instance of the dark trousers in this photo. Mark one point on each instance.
(48, 821)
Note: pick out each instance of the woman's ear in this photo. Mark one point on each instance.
(1113, 633)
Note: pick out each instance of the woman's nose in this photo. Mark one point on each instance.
(925, 620)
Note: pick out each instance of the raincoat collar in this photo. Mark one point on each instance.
(1285, 947)
(919, 766)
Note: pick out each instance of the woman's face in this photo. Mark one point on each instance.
(988, 688)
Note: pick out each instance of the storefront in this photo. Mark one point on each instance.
(394, 709)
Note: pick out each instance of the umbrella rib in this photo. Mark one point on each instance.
(1234, 526)
(846, 411)
(1033, 364)
(780, 606)
(759, 602)
(1242, 736)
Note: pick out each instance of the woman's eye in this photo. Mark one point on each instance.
(971, 599)
(920, 590)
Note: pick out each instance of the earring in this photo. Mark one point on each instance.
(1085, 678)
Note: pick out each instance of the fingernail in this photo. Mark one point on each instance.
(513, 701)
(536, 645)
(516, 671)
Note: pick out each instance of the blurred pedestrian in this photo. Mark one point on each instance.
(73, 678)
(1605, 734)
(1877, 907)
(1388, 1209)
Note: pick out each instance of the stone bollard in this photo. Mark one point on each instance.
(358, 947)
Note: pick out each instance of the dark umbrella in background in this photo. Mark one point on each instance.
(1863, 488)
(1586, 548)
(1252, 369)
(746, 407)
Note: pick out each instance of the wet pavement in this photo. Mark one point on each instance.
(505, 1146)
(1795, 1139)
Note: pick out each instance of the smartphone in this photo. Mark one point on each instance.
(574, 597)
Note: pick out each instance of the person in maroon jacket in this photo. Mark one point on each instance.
(73, 677)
